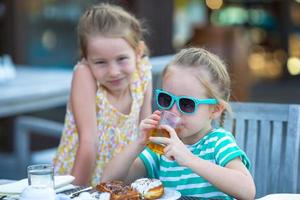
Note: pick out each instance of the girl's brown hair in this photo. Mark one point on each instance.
(111, 21)
(211, 72)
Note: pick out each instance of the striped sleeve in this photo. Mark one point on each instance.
(226, 150)
(151, 162)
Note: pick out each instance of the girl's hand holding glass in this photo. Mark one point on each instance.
(174, 149)
(147, 125)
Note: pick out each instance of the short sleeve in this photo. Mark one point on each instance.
(226, 150)
(151, 162)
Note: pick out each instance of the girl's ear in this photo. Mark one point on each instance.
(217, 110)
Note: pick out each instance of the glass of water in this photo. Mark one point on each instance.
(41, 175)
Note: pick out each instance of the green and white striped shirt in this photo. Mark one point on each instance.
(218, 146)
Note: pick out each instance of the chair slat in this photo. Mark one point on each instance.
(228, 124)
(263, 153)
(251, 143)
(290, 169)
(275, 156)
(240, 133)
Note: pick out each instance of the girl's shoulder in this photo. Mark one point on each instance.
(82, 69)
(144, 64)
(83, 86)
(218, 134)
(83, 77)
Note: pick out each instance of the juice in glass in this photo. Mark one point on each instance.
(167, 118)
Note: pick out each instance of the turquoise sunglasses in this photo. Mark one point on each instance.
(185, 104)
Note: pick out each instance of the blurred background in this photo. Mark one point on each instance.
(258, 39)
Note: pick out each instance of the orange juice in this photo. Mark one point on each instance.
(158, 148)
(166, 118)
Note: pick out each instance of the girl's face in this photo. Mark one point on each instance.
(112, 62)
(183, 82)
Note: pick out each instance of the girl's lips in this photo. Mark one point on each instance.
(116, 82)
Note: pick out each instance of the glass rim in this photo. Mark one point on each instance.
(40, 166)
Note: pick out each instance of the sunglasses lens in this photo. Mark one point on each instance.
(187, 105)
(164, 100)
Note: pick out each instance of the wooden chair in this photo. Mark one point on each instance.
(270, 135)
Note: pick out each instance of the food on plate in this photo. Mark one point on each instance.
(143, 188)
(118, 190)
(149, 188)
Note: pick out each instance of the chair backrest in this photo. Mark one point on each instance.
(269, 134)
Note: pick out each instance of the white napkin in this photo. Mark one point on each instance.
(15, 188)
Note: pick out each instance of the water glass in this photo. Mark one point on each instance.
(41, 175)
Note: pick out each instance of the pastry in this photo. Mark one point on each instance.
(118, 190)
(149, 188)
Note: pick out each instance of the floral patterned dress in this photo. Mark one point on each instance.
(115, 130)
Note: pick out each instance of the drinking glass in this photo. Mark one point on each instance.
(41, 175)
(166, 118)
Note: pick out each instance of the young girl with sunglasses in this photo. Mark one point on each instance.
(111, 93)
(198, 160)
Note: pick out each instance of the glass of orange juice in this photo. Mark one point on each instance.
(166, 118)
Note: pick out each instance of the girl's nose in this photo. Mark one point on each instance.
(175, 110)
(114, 69)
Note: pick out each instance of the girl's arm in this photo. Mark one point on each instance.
(83, 106)
(234, 179)
(125, 166)
(146, 109)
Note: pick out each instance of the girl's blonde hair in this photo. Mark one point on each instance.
(111, 21)
(211, 72)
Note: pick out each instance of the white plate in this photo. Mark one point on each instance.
(170, 194)
(282, 196)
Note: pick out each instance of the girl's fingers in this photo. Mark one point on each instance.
(167, 149)
(156, 115)
(160, 140)
(157, 112)
(149, 121)
(152, 118)
(168, 155)
(148, 126)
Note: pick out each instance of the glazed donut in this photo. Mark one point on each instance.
(149, 188)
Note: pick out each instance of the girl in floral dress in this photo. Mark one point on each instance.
(110, 94)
